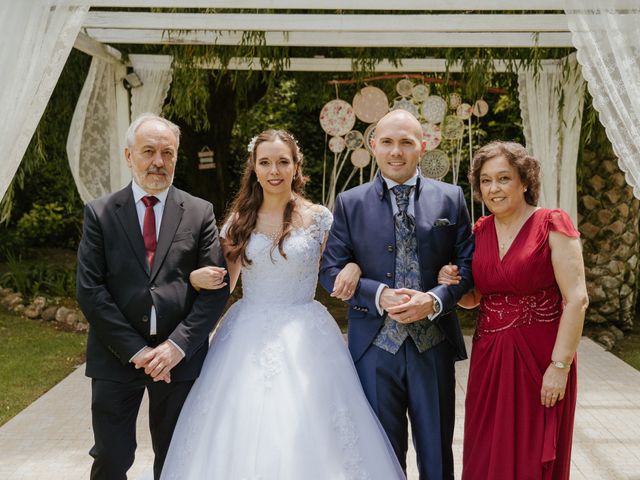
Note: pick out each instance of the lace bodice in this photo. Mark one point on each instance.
(272, 279)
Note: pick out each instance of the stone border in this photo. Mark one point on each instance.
(43, 309)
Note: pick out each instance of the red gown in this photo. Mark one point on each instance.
(508, 434)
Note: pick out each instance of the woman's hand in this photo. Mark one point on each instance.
(554, 384)
(346, 282)
(449, 275)
(209, 278)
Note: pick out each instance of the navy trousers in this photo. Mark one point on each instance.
(422, 385)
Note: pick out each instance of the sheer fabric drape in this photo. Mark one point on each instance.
(155, 73)
(606, 35)
(551, 105)
(94, 146)
(36, 37)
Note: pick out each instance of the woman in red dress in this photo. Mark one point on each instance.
(529, 277)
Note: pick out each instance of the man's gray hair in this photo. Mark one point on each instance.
(145, 117)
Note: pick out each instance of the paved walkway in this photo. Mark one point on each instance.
(50, 439)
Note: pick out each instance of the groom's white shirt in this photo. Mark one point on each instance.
(411, 210)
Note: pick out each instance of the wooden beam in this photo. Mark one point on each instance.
(337, 39)
(328, 22)
(342, 4)
(425, 5)
(88, 45)
(407, 65)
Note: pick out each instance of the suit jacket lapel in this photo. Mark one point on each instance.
(128, 217)
(171, 218)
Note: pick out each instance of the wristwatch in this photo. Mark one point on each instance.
(560, 365)
(436, 305)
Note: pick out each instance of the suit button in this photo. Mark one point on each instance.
(390, 248)
(389, 275)
(145, 318)
(153, 287)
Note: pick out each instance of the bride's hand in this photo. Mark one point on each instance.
(346, 282)
(209, 278)
(449, 275)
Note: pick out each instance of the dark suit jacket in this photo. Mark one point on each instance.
(115, 288)
(363, 232)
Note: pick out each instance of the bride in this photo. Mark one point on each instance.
(278, 397)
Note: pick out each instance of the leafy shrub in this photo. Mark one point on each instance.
(31, 278)
(49, 224)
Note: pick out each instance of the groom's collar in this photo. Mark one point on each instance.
(383, 184)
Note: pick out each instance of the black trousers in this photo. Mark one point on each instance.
(114, 410)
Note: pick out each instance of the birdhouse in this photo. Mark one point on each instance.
(205, 157)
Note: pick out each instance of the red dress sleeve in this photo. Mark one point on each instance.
(559, 221)
(480, 223)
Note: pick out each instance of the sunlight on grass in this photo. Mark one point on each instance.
(34, 356)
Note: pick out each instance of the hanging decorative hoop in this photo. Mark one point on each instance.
(337, 117)
(435, 164)
(404, 87)
(408, 105)
(434, 109)
(337, 144)
(432, 135)
(360, 158)
(354, 140)
(370, 104)
(452, 127)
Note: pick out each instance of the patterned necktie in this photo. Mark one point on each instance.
(149, 228)
(407, 275)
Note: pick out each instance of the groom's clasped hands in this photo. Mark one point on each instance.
(406, 305)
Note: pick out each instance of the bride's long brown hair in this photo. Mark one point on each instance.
(243, 214)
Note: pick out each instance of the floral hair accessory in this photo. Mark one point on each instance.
(252, 144)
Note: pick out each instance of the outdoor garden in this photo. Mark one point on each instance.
(219, 110)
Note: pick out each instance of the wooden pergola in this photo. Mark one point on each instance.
(377, 23)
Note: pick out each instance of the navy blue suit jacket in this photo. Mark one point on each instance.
(363, 232)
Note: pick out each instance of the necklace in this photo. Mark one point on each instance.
(506, 242)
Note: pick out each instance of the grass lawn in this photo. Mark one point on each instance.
(628, 349)
(34, 356)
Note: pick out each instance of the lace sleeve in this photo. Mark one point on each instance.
(321, 223)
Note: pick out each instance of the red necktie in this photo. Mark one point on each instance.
(149, 228)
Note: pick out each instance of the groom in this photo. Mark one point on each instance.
(148, 327)
(404, 336)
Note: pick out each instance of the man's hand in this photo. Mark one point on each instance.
(391, 297)
(164, 357)
(419, 306)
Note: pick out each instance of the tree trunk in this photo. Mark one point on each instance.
(213, 185)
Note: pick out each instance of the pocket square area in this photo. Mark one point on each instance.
(442, 222)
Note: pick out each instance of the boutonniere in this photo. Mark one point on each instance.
(442, 222)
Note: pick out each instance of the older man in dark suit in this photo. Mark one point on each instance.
(148, 327)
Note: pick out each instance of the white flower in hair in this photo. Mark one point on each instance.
(252, 144)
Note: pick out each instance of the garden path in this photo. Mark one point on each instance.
(50, 438)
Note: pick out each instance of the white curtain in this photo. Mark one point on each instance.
(606, 34)
(36, 37)
(95, 143)
(155, 73)
(551, 103)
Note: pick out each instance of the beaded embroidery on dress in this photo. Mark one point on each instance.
(279, 397)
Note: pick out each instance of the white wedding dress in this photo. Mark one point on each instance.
(278, 397)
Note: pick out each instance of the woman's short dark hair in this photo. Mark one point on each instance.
(527, 167)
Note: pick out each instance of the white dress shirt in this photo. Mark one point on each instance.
(158, 210)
